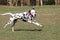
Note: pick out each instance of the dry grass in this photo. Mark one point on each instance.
(49, 16)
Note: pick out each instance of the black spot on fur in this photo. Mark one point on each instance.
(24, 20)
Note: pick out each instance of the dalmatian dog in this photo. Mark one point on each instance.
(24, 16)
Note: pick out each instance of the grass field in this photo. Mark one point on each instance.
(49, 16)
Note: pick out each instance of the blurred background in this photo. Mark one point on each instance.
(29, 2)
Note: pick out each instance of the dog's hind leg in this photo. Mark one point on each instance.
(9, 22)
(14, 22)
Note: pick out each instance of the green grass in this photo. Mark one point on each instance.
(49, 16)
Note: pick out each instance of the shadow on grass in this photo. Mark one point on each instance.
(28, 30)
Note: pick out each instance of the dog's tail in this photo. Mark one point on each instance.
(7, 14)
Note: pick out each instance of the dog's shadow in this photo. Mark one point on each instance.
(28, 29)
